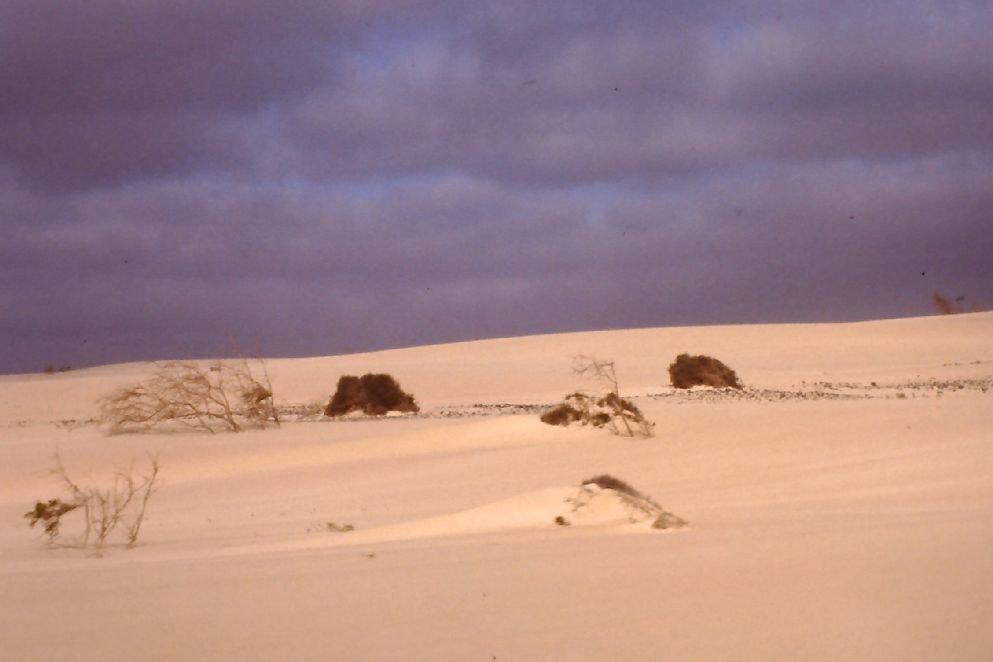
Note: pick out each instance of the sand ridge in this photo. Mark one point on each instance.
(841, 507)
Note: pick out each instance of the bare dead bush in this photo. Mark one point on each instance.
(119, 506)
(611, 411)
(642, 506)
(688, 371)
(222, 396)
(372, 394)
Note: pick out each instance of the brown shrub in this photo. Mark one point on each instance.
(372, 394)
(608, 482)
(661, 519)
(687, 371)
(943, 305)
(562, 414)
(946, 306)
(610, 411)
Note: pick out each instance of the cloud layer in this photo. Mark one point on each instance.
(330, 177)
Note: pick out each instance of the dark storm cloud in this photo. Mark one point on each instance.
(334, 176)
(649, 97)
(97, 92)
(577, 109)
(864, 84)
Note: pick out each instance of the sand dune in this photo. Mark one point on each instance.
(840, 508)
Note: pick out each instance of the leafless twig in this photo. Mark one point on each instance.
(124, 501)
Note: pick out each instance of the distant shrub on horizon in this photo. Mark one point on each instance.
(372, 394)
(700, 370)
(946, 306)
(943, 305)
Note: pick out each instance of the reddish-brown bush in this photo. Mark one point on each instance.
(372, 394)
(562, 414)
(687, 371)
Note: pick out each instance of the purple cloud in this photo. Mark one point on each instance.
(330, 177)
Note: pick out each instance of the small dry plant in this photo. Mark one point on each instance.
(119, 506)
(641, 506)
(618, 415)
(222, 396)
(946, 306)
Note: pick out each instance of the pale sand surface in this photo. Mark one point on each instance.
(843, 521)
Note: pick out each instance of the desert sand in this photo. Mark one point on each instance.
(841, 508)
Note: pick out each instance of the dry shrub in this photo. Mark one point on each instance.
(661, 519)
(50, 512)
(563, 414)
(611, 411)
(372, 394)
(608, 482)
(119, 506)
(943, 305)
(687, 371)
(222, 396)
(946, 306)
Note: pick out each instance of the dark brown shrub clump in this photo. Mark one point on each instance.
(608, 482)
(50, 512)
(620, 416)
(947, 306)
(637, 501)
(372, 394)
(562, 414)
(687, 371)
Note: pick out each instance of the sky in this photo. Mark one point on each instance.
(318, 177)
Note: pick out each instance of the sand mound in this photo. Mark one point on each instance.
(607, 498)
(856, 517)
(589, 505)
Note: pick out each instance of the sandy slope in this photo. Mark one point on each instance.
(827, 521)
